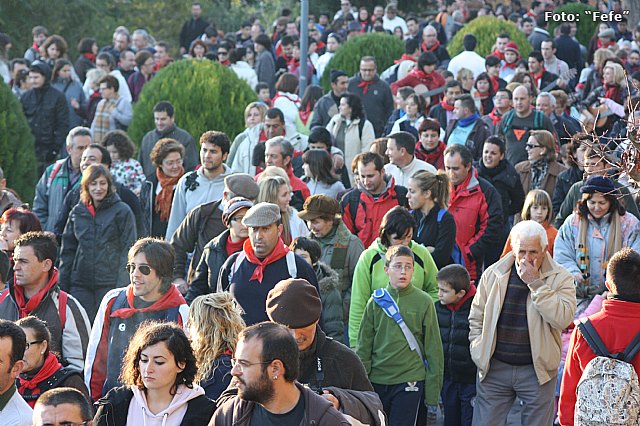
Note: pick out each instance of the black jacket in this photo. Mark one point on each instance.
(564, 182)
(153, 226)
(112, 410)
(213, 257)
(439, 235)
(568, 50)
(82, 66)
(47, 112)
(440, 114)
(454, 332)
(475, 140)
(506, 181)
(94, 249)
(191, 30)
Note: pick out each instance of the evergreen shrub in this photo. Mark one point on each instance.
(205, 95)
(486, 29)
(17, 152)
(384, 47)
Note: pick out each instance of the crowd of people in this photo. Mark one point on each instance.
(452, 237)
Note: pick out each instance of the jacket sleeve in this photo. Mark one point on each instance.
(556, 305)
(320, 113)
(446, 239)
(476, 318)
(388, 103)
(570, 378)
(516, 196)
(67, 252)
(41, 199)
(332, 315)
(61, 121)
(63, 216)
(128, 237)
(178, 209)
(364, 336)
(200, 283)
(123, 112)
(234, 149)
(364, 406)
(360, 293)
(75, 336)
(183, 241)
(567, 206)
(430, 282)
(346, 213)
(629, 202)
(130, 199)
(354, 251)
(490, 216)
(564, 247)
(432, 350)
(368, 135)
(95, 366)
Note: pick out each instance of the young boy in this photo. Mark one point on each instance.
(262, 90)
(459, 387)
(400, 375)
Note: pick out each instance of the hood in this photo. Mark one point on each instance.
(180, 399)
(327, 278)
(42, 68)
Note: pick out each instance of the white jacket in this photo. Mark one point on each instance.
(244, 71)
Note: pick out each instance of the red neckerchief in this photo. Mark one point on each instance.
(470, 293)
(427, 79)
(24, 307)
(279, 251)
(226, 63)
(599, 44)
(498, 55)
(432, 49)
(365, 85)
(512, 65)
(232, 247)
(495, 83)
(90, 56)
(495, 116)
(263, 136)
(92, 209)
(612, 92)
(446, 106)
(284, 95)
(50, 366)
(405, 57)
(481, 95)
(537, 78)
(170, 299)
(304, 114)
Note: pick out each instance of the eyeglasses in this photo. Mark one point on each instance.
(173, 163)
(35, 342)
(242, 364)
(531, 146)
(222, 53)
(401, 268)
(144, 269)
(86, 422)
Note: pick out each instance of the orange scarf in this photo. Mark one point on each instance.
(165, 197)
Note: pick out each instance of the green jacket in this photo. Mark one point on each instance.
(369, 275)
(384, 350)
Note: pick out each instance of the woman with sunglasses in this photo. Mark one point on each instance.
(95, 241)
(158, 372)
(42, 369)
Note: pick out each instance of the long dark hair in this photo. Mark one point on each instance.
(311, 95)
(320, 165)
(614, 205)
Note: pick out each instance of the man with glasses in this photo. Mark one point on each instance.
(62, 407)
(165, 122)
(36, 291)
(13, 409)
(150, 296)
(375, 94)
(265, 369)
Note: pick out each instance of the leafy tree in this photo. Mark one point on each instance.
(17, 152)
(585, 28)
(486, 29)
(385, 48)
(205, 95)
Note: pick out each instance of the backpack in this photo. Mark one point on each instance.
(456, 253)
(390, 75)
(608, 391)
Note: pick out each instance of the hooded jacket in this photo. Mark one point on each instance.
(370, 275)
(477, 210)
(317, 411)
(506, 181)
(127, 405)
(332, 317)
(47, 112)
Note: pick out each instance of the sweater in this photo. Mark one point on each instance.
(384, 350)
(370, 275)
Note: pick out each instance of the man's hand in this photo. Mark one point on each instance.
(338, 161)
(181, 284)
(527, 271)
(331, 398)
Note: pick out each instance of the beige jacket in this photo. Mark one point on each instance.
(355, 143)
(550, 308)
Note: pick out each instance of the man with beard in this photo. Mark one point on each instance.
(202, 185)
(265, 369)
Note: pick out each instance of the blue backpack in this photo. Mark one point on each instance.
(456, 253)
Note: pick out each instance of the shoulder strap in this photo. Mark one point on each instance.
(62, 307)
(631, 351)
(593, 338)
(291, 264)
(119, 302)
(191, 181)
(54, 172)
(360, 127)
(441, 213)
(383, 299)
(537, 119)
(354, 202)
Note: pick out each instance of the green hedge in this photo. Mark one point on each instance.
(17, 152)
(486, 29)
(205, 95)
(586, 26)
(385, 48)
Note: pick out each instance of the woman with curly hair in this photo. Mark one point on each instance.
(215, 320)
(158, 371)
(55, 47)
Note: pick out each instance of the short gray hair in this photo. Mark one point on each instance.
(527, 229)
(286, 149)
(77, 131)
(142, 32)
(552, 99)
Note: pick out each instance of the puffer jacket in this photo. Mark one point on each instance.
(51, 189)
(205, 279)
(94, 249)
(370, 275)
(364, 221)
(565, 248)
(477, 210)
(332, 316)
(551, 305)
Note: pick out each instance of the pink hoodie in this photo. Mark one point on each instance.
(139, 413)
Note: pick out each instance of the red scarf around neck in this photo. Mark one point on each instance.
(165, 197)
(468, 295)
(50, 366)
(170, 299)
(432, 49)
(537, 77)
(90, 56)
(305, 113)
(278, 253)
(405, 57)
(446, 106)
(498, 54)
(612, 92)
(495, 116)
(365, 85)
(25, 307)
(495, 83)
(232, 247)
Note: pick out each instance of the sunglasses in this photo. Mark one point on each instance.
(144, 269)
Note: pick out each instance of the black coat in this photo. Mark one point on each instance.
(213, 257)
(439, 235)
(152, 223)
(82, 66)
(112, 410)
(47, 112)
(454, 333)
(505, 179)
(564, 182)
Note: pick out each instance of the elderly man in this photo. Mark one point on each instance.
(263, 262)
(522, 304)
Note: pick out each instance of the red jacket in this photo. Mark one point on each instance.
(617, 323)
(366, 221)
(477, 209)
(416, 77)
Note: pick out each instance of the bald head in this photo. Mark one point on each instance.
(522, 101)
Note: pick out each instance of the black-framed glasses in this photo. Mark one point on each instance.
(531, 146)
(35, 342)
(242, 364)
(144, 269)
